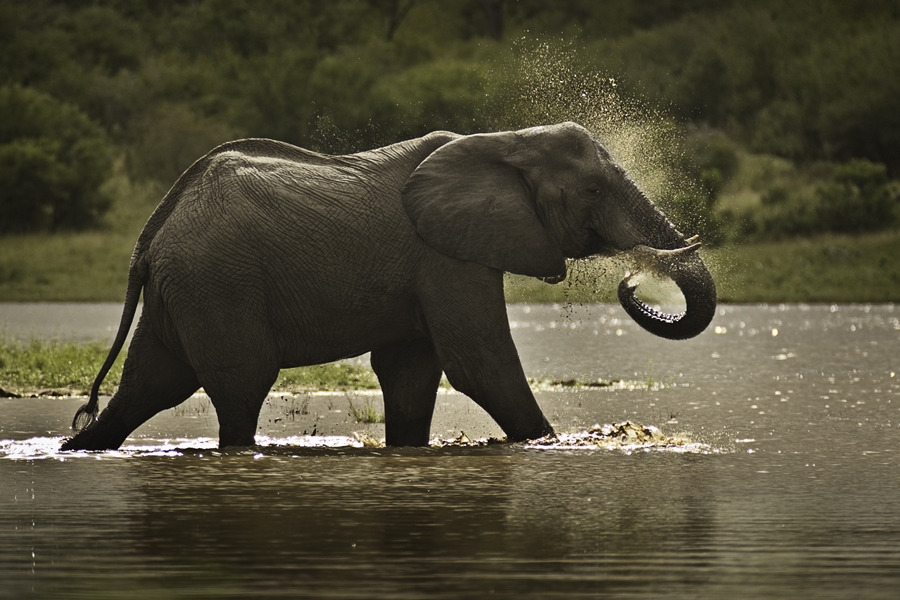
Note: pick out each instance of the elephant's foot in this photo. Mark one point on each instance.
(542, 430)
(407, 433)
(101, 435)
(409, 374)
(236, 432)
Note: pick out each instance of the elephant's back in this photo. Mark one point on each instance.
(322, 250)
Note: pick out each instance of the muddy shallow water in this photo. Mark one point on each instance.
(783, 479)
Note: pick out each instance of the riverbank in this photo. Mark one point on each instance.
(93, 267)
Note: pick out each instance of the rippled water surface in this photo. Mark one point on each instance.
(778, 478)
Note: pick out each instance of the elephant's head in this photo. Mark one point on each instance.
(523, 201)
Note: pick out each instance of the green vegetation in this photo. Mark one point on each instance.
(829, 268)
(53, 161)
(367, 413)
(80, 266)
(68, 368)
(54, 367)
(328, 377)
(769, 128)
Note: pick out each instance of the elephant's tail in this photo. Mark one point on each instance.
(137, 276)
(138, 271)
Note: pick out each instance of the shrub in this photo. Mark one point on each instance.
(53, 160)
(859, 199)
(854, 197)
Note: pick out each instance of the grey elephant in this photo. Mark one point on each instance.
(265, 256)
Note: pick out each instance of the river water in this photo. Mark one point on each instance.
(780, 477)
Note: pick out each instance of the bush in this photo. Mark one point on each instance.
(53, 160)
(859, 199)
(854, 197)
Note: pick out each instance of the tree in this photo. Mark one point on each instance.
(53, 160)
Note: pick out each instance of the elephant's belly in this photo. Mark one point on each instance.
(346, 335)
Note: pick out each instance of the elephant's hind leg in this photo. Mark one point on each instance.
(409, 374)
(238, 394)
(153, 379)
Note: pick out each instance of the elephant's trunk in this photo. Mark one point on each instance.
(635, 225)
(685, 267)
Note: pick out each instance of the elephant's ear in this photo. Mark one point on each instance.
(469, 200)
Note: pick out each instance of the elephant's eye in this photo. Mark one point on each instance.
(593, 191)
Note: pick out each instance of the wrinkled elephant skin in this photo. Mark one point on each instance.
(264, 256)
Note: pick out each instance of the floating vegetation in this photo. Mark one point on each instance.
(367, 440)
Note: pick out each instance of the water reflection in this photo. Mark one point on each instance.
(375, 525)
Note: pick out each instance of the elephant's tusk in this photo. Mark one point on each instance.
(657, 254)
(659, 261)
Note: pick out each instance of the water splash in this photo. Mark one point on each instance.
(552, 87)
(41, 448)
(625, 436)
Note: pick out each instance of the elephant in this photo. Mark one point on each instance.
(265, 256)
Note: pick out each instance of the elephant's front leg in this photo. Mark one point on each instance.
(409, 374)
(470, 332)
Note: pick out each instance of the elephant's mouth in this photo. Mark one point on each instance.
(687, 270)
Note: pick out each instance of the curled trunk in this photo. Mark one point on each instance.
(685, 267)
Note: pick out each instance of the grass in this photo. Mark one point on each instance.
(367, 413)
(86, 266)
(93, 267)
(68, 368)
(54, 368)
(336, 376)
(830, 268)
